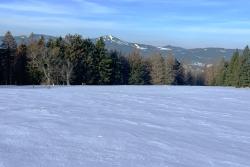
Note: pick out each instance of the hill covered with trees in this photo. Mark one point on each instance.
(77, 61)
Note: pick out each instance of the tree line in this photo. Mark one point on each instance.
(235, 72)
(73, 60)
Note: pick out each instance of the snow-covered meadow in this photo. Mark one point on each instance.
(124, 126)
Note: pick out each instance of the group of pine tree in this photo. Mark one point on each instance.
(74, 60)
(235, 72)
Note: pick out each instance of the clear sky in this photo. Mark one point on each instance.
(186, 23)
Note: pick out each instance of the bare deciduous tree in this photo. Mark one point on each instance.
(67, 71)
(158, 69)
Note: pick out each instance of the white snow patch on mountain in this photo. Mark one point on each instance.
(111, 37)
(139, 47)
(198, 64)
(162, 48)
(108, 38)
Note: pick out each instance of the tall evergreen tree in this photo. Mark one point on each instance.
(9, 41)
(179, 73)
(21, 71)
(105, 63)
(10, 45)
(233, 71)
(90, 63)
(4, 54)
(125, 70)
(244, 79)
(119, 69)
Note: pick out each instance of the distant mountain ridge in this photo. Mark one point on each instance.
(24, 39)
(197, 56)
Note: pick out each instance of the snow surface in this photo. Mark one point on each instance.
(124, 126)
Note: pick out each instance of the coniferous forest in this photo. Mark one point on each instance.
(73, 60)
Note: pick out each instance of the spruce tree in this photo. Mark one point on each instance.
(244, 80)
(179, 73)
(118, 67)
(9, 41)
(125, 70)
(4, 54)
(104, 64)
(21, 71)
(10, 45)
(232, 75)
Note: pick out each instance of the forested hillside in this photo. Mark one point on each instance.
(77, 61)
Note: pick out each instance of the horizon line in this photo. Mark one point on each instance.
(88, 37)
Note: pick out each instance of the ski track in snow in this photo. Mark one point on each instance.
(124, 126)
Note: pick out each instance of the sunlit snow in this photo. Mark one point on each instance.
(139, 47)
(125, 126)
(162, 48)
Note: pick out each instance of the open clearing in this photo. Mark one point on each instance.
(124, 126)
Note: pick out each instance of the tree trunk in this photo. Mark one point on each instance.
(68, 78)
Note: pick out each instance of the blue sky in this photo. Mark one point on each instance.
(186, 23)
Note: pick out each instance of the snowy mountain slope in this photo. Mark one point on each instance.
(195, 56)
(125, 126)
(114, 43)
